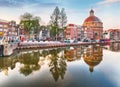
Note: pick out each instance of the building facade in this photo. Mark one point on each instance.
(80, 33)
(8, 31)
(71, 32)
(44, 34)
(93, 27)
(4, 26)
(74, 32)
(112, 34)
(12, 30)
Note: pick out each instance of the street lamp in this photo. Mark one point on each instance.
(18, 26)
(56, 33)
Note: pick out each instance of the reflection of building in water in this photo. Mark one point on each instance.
(70, 54)
(80, 51)
(115, 47)
(74, 53)
(93, 56)
(6, 71)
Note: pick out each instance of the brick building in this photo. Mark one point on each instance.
(93, 27)
(71, 32)
(112, 34)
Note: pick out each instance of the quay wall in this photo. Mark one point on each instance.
(51, 45)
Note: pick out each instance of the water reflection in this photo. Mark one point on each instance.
(74, 53)
(93, 56)
(60, 64)
(57, 65)
(29, 62)
(115, 47)
(32, 60)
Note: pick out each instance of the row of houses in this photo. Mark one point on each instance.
(91, 29)
(74, 32)
(8, 27)
(112, 34)
(8, 31)
(80, 32)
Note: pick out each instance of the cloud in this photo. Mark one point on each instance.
(105, 2)
(22, 3)
(11, 3)
(47, 4)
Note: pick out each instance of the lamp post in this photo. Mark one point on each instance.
(18, 26)
(64, 36)
(56, 34)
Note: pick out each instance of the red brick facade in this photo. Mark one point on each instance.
(94, 24)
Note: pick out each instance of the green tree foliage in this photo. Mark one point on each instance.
(63, 18)
(30, 23)
(63, 21)
(26, 16)
(36, 24)
(55, 17)
(58, 21)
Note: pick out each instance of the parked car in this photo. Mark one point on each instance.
(66, 41)
(92, 40)
(75, 41)
(102, 40)
(85, 40)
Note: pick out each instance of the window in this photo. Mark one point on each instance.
(95, 49)
(95, 33)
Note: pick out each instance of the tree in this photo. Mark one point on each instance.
(63, 18)
(58, 22)
(36, 21)
(26, 16)
(55, 17)
(63, 21)
(29, 23)
(36, 24)
(26, 22)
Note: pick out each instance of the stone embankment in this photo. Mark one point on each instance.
(34, 45)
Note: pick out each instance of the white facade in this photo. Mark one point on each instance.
(43, 34)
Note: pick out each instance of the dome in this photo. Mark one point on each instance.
(91, 61)
(92, 17)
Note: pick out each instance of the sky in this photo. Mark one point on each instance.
(76, 10)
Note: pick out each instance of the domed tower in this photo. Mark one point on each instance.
(94, 23)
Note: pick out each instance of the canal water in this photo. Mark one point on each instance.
(79, 66)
